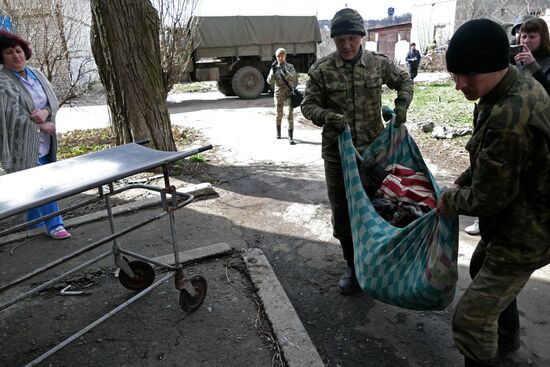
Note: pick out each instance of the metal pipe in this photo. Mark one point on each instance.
(79, 252)
(111, 218)
(146, 259)
(53, 281)
(99, 321)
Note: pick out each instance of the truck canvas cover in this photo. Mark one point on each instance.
(257, 30)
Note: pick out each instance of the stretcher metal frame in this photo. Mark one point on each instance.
(100, 170)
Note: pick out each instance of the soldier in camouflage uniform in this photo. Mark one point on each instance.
(345, 88)
(280, 72)
(507, 186)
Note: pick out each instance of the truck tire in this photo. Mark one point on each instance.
(225, 88)
(248, 82)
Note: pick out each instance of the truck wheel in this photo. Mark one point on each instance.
(248, 82)
(225, 88)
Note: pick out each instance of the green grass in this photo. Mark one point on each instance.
(303, 78)
(199, 158)
(440, 103)
(192, 87)
(78, 142)
(437, 102)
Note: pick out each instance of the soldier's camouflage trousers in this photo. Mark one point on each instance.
(336, 190)
(279, 106)
(488, 309)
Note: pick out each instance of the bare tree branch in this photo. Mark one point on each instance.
(178, 37)
(58, 31)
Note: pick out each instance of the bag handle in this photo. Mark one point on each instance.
(288, 85)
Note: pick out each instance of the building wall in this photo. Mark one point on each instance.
(438, 19)
(432, 20)
(506, 12)
(387, 37)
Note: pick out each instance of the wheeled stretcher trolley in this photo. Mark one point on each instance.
(27, 189)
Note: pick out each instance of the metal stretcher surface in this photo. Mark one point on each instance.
(29, 188)
(34, 187)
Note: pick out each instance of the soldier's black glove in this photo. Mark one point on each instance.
(274, 66)
(334, 125)
(400, 113)
(283, 69)
(335, 121)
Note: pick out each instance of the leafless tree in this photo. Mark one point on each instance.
(126, 48)
(326, 46)
(501, 11)
(58, 33)
(141, 48)
(178, 37)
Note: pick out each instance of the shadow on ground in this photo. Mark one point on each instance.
(347, 331)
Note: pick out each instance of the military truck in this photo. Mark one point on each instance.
(237, 51)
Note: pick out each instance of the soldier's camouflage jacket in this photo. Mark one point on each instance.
(508, 182)
(275, 77)
(355, 92)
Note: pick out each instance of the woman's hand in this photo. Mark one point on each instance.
(525, 57)
(39, 116)
(47, 127)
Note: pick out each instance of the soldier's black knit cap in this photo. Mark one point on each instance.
(478, 46)
(347, 21)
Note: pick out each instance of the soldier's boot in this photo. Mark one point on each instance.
(508, 329)
(348, 283)
(278, 131)
(291, 136)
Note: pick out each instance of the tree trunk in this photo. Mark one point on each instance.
(125, 44)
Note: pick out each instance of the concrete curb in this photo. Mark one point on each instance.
(197, 254)
(197, 191)
(298, 349)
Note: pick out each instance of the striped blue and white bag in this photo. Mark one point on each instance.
(414, 267)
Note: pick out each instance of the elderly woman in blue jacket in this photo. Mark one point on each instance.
(28, 106)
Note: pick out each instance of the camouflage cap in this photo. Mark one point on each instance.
(347, 21)
(519, 21)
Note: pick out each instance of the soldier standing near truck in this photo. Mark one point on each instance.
(283, 76)
(237, 51)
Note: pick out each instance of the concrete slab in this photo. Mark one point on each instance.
(298, 349)
(295, 345)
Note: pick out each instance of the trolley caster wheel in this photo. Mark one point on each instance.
(144, 276)
(188, 303)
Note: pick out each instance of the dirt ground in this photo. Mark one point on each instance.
(152, 332)
(272, 196)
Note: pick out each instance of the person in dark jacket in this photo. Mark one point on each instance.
(534, 57)
(413, 61)
(507, 186)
